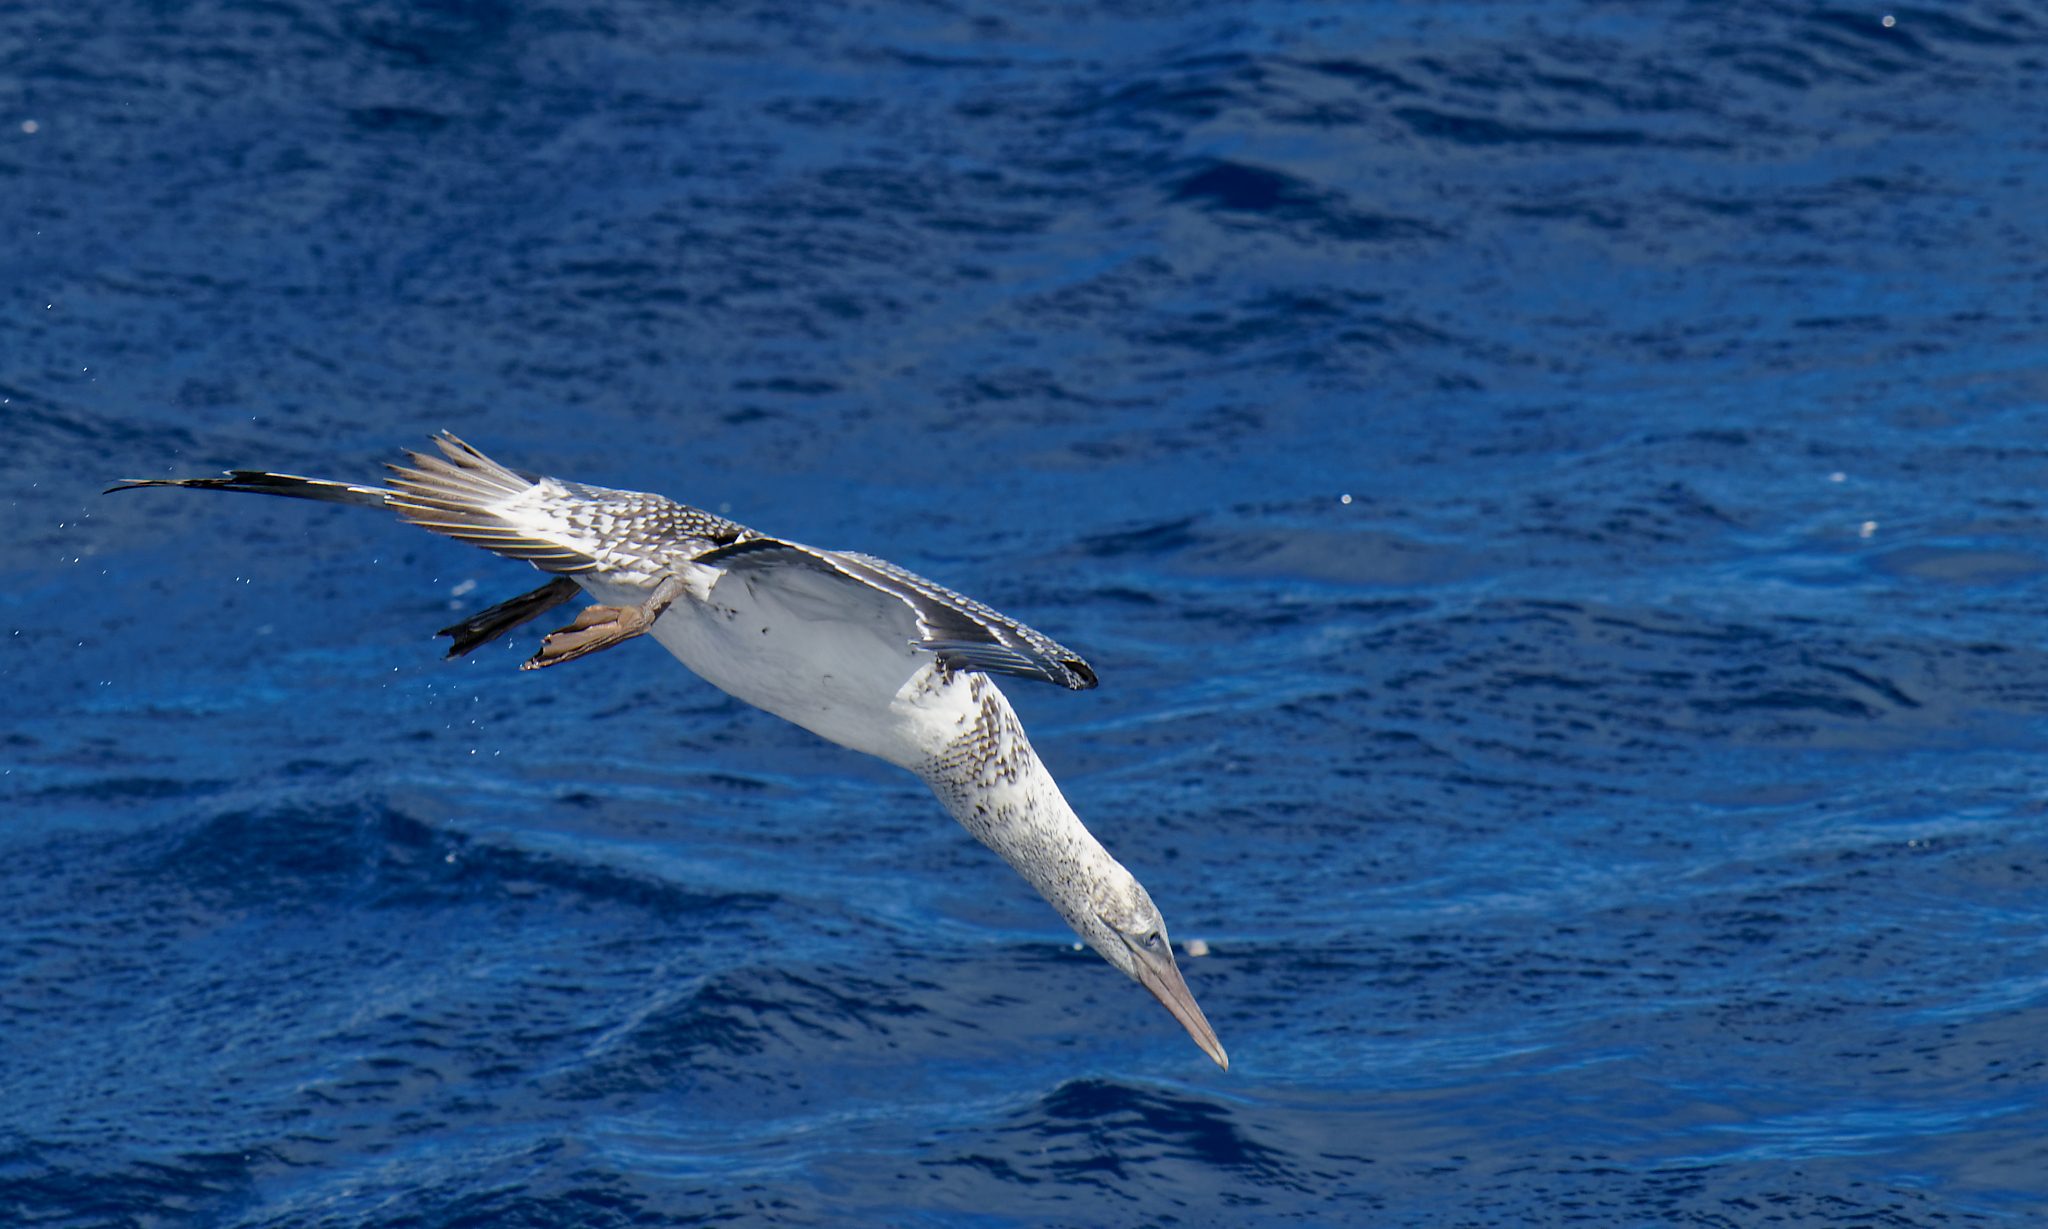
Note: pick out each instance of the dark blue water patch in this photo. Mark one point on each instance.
(1478, 131)
(405, 119)
(381, 858)
(767, 1020)
(1239, 188)
(179, 1188)
(430, 34)
(1161, 539)
(120, 789)
(1093, 1138)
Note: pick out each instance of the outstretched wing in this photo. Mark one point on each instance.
(557, 526)
(960, 631)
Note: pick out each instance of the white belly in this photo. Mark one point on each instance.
(808, 659)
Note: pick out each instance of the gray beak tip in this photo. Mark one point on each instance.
(1159, 974)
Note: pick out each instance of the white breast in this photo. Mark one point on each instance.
(796, 648)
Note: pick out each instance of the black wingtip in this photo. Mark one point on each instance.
(1084, 674)
(133, 484)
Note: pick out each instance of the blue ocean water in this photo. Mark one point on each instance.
(1554, 492)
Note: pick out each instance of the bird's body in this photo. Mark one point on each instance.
(841, 680)
(852, 648)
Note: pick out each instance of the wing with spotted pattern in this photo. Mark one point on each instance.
(557, 526)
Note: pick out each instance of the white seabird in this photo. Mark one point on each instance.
(848, 646)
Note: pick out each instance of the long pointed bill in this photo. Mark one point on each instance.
(1158, 973)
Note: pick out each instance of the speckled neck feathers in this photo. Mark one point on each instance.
(992, 781)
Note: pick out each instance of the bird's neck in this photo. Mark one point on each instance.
(991, 780)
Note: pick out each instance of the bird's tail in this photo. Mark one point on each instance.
(258, 482)
(461, 493)
(461, 485)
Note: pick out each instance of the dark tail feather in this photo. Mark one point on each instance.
(256, 482)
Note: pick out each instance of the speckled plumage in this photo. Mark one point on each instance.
(856, 649)
(989, 778)
(557, 526)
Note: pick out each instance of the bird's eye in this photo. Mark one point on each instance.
(1153, 942)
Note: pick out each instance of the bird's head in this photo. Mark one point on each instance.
(1123, 925)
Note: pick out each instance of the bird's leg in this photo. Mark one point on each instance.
(487, 625)
(601, 627)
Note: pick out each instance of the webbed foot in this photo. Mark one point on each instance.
(597, 628)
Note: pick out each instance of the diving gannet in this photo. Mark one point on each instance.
(850, 647)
